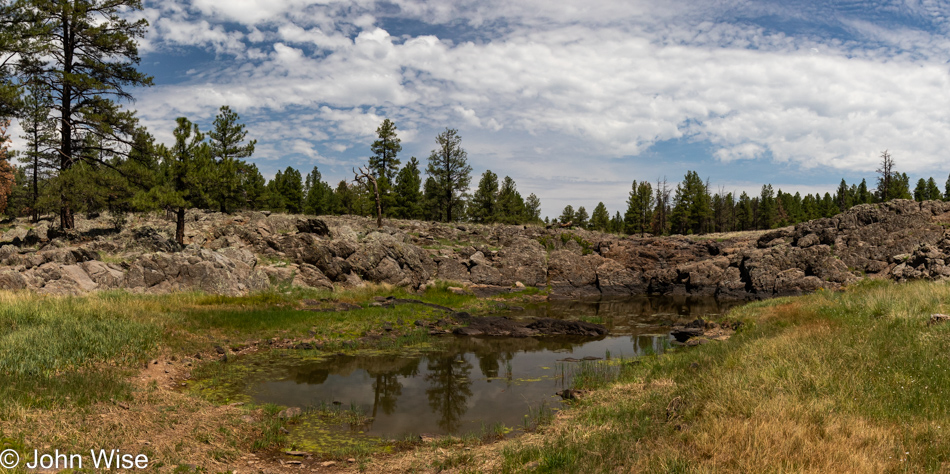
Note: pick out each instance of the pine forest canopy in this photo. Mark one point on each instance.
(68, 66)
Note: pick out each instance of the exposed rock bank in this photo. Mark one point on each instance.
(237, 254)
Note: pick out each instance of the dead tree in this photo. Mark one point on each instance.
(364, 174)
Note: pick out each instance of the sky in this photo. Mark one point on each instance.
(574, 99)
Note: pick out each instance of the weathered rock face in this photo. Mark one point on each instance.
(234, 254)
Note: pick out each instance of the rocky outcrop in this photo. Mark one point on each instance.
(234, 254)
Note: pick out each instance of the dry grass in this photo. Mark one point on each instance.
(831, 382)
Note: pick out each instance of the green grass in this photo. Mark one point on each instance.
(854, 381)
(51, 348)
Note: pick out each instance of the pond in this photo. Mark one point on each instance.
(472, 383)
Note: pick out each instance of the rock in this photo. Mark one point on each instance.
(938, 318)
(572, 394)
(567, 327)
(467, 332)
(684, 334)
(312, 226)
(289, 412)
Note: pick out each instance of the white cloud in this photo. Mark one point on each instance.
(581, 86)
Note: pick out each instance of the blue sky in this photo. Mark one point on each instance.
(573, 99)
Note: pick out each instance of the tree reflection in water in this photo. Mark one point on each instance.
(386, 387)
(449, 389)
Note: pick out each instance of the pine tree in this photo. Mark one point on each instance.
(290, 188)
(921, 193)
(616, 223)
(14, 35)
(408, 195)
(691, 210)
(39, 133)
(600, 219)
(863, 196)
(766, 207)
(933, 192)
(345, 198)
(448, 166)
(185, 169)
(85, 52)
(744, 215)
(385, 148)
(843, 197)
(432, 195)
(253, 187)
(482, 209)
(510, 207)
(7, 177)
(884, 181)
(318, 194)
(532, 208)
(580, 217)
(640, 204)
(567, 215)
(225, 139)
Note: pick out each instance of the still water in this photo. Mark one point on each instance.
(476, 382)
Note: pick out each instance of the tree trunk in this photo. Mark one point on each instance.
(180, 226)
(379, 208)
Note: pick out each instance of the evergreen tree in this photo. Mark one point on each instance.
(843, 197)
(226, 140)
(744, 215)
(15, 34)
(385, 148)
(510, 206)
(7, 173)
(828, 207)
(408, 195)
(581, 217)
(567, 215)
(661, 225)
(482, 208)
(253, 187)
(921, 193)
(345, 198)
(886, 178)
(40, 137)
(432, 195)
(933, 192)
(766, 207)
(289, 186)
(448, 166)
(691, 210)
(640, 204)
(185, 170)
(600, 219)
(275, 198)
(616, 223)
(85, 52)
(532, 207)
(318, 198)
(900, 187)
(863, 195)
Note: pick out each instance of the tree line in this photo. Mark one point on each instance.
(692, 207)
(66, 66)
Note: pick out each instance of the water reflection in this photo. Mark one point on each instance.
(476, 382)
(633, 315)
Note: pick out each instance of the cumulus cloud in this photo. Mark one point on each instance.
(552, 82)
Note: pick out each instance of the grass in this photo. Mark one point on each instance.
(853, 381)
(66, 359)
